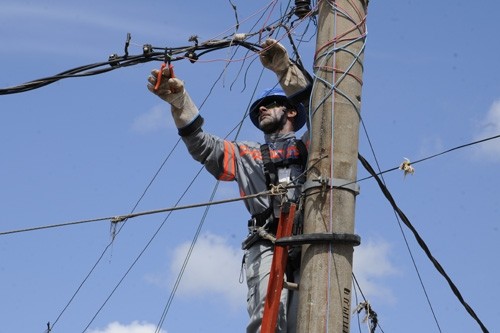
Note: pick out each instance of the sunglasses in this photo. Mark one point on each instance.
(272, 105)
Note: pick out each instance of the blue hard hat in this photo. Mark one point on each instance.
(278, 95)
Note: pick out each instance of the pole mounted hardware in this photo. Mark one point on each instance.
(330, 183)
(319, 238)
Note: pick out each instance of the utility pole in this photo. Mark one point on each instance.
(326, 271)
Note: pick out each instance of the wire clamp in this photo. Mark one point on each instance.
(331, 183)
(147, 50)
(113, 60)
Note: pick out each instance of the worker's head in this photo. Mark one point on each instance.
(273, 112)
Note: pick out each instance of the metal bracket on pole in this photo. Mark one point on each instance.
(318, 238)
(331, 183)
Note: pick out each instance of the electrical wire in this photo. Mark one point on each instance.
(181, 273)
(114, 63)
(128, 216)
(125, 217)
(375, 322)
(424, 289)
(195, 238)
(129, 61)
(149, 54)
(114, 235)
(421, 242)
(141, 252)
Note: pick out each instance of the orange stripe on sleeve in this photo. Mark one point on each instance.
(229, 164)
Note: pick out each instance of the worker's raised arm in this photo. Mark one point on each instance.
(274, 57)
(171, 90)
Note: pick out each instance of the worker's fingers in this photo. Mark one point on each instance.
(151, 87)
(152, 79)
(175, 86)
(269, 42)
(166, 72)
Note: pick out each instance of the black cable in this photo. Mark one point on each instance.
(403, 234)
(114, 63)
(150, 53)
(126, 61)
(420, 241)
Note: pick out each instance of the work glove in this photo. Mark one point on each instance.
(172, 91)
(274, 56)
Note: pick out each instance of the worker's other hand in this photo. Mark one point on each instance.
(274, 56)
(170, 89)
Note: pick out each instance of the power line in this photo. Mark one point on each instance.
(422, 243)
(114, 235)
(123, 218)
(192, 245)
(404, 236)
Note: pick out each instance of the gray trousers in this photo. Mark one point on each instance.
(258, 260)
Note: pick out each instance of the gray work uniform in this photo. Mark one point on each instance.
(242, 162)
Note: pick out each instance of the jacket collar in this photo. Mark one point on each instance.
(275, 137)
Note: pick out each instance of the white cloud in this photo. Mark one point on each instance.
(214, 268)
(490, 126)
(371, 265)
(156, 119)
(134, 327)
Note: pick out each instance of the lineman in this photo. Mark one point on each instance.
(279, 113)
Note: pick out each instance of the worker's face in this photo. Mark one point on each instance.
(272, 117)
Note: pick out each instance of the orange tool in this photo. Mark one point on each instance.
(159, 76)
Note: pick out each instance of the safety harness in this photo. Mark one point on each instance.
(265, 220)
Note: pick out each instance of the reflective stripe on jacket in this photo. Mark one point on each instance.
(242, 161)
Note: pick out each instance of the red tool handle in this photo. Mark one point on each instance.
(159, 76)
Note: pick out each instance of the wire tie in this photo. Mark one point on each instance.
(406, 167)
(118, 219)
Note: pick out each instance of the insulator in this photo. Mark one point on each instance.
(191, 56)
(147, 49)
(113, 60)
(302, 8)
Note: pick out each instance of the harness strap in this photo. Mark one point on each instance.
(303, 154)
(269, 167)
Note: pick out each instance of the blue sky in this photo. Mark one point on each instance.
(88, 147)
